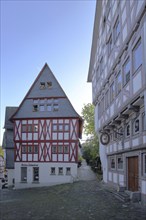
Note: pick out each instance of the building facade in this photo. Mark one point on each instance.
(8, 144)
(46, 135)
(117, 71)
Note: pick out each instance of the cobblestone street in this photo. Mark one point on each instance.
(82, 200)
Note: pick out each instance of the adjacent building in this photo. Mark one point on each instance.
(46, 132)
(117, 71)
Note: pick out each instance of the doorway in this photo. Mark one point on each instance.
(133, 173)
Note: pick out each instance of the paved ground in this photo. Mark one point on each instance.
(82, 200)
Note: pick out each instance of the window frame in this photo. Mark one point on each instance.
(68, 171)
(138, 43)
(60, 170)
(128, 129)
(53, 171)
(54, 149)
(126, 73)
(49, 84)
(24, 178)
(144, 163)
(119, 75)
(134, 126)
(117, 27)
(112, 159)
(35, 178)
(119, 168)
(42, 85)
(112, 92)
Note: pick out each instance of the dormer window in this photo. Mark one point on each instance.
(49, 84)
(55, 107)
(35, 108)
(42, 85)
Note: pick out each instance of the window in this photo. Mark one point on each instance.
(137, 56)
(113, 166)
(35, 174)
(24, 174)
(52, 170)
(54, 149)
(66, 127)
(60, 170)
(30, 149)
(42, 85)
(99, 110)
(128, 130)
(109, 44)
(35, 149)
(49, 107)
(29, 128)
(97, 74)
(118, 83)
(54, 128)
(24, 128)
(55, 107)
(144, 164)
(68, 171)
(24, 149)
(143, 122)
(101, 66)
(102, 105)
(66, 149)
(120, 163)
(42, 108)
(49, 84)
(126, 71)
(107, 99)
(35, 108)
(60, 149)
(136, 126)
(35, 128)
(60, 127)
(117, 29)
(112, 91)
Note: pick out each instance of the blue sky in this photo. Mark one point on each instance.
(36, 32)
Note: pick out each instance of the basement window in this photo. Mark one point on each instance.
(52, 170)
(60, 170)
(68, 171)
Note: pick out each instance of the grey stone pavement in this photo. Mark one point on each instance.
(86, 199)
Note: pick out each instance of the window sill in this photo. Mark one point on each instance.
(35, 182)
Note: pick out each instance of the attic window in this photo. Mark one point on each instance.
(55, 107)
(42, 85)
(35, 108)
(49, 84)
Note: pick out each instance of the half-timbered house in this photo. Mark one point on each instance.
(117, 71)
(46, 135)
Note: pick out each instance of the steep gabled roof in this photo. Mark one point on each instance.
(8, 114)
(98, 11)
(55, 92)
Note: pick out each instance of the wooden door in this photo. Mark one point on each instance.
(133, 174)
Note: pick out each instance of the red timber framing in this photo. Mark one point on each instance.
(44, 134)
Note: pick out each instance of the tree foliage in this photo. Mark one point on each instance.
(88, 116)
(91, 145)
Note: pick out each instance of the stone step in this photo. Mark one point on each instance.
(124, 197)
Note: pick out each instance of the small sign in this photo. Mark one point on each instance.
(104, 138)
